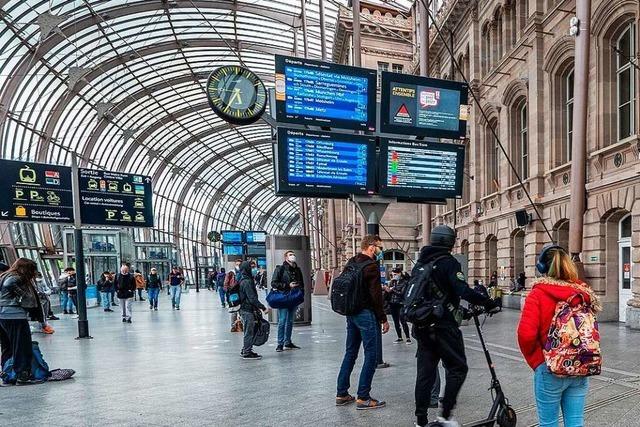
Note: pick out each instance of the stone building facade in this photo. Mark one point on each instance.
(518, 57)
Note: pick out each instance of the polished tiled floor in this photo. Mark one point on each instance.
(183, 368)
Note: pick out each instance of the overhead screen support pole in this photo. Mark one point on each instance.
(81, 282)
(372, 208)
(357, 44)
(331, 204)
(579, 147)
(423, 54)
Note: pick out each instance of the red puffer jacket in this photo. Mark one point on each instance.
(538, 311)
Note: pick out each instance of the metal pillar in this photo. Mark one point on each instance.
(316, 233)
(323, 37)
(357, 43)
(196, 266)
(579, 148)
(424, 71)
(81, 280)
(304, 216)
(305, 35)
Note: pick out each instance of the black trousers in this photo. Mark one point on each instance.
(74, 298)
(15, 339)
(434, 344)
(399, 320)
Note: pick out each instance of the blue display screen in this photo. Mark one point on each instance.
(317, 162)
(255, 236)
(232, 236)
(233, 250)
(262, 262)
(256, 249)
(324, 94)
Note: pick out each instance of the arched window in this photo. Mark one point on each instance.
(568, 118)
(497, 31)
(485, 57)
(625, 81)
(492, 150)
(523, 128)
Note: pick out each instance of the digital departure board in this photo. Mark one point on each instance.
(422, 106)
(419, 170)
(232, 236)
(314, 164)
(324, 94)
(255, 236)
(233, 250)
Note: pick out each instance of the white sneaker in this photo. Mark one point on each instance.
(448, 423)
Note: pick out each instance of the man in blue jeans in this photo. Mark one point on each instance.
(362, 328)
(286, 277)
(176, 279)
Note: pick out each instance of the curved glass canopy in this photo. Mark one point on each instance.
(122, 84)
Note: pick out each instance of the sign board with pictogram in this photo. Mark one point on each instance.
(35, 192)
(115, 199)
(422, 106)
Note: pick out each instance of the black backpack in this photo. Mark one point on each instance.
(347, 294)
(424, 302)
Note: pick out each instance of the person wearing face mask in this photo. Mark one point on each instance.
(237, 270)
(396, 290)
(286, 277)
(249, 305)
(125, 286)
(153, 285)
(362, 328)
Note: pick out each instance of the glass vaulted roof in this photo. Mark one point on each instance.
(121, 83)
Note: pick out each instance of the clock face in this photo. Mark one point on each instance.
(236, 94)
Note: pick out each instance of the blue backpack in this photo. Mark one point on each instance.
(39, 368)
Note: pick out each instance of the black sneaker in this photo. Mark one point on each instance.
(150, 307)
(279, 348)
(251, 356)
(291, 346)
(54, 317)
(124, 320)
(156, 308)
(108, 310)
(128, 320)
(65, 312)
(177, 308)
(29, 382)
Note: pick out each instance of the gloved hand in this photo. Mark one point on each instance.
(491, 306)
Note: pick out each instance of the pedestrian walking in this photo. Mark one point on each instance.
(154, 286)
(125, 289)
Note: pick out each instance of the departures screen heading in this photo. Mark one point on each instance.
(314, 163)
(420, 170)
(324, 94)
(423, 106)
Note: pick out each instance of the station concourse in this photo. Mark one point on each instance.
(180, 176)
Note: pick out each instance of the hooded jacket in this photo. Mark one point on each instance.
(538, 311)
(248, 295)
(447, 274)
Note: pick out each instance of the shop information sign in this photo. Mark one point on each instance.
(35, 192)
(115, 199)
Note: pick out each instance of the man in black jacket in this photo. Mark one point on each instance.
(286, 277)
(443, 341)
(250, 307)
(125, 287)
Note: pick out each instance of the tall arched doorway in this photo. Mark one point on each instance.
(491, 260)
(518, 253)
(624, 265)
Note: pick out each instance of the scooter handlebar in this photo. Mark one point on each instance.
(476, 311)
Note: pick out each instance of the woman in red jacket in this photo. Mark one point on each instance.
(553, 392)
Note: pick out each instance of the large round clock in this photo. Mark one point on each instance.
(236, 94)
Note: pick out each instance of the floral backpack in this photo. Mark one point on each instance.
(572, 348)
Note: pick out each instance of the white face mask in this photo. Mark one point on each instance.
(291, 258)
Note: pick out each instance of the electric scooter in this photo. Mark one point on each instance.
(501, 412)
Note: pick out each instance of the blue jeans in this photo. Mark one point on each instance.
(153, 293)
(361, 328)
(286, 316)
(105, 299)
(65, 301)
(175, 293)
(553, 393)
(223, 296)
